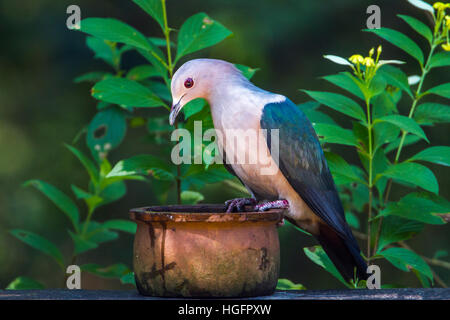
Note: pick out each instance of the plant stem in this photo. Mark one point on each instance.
(86, 223)
(369, 132)
(167, 36)
(417, 97)
(170, 68)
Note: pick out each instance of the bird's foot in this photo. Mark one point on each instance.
(277, 204)
(239, 204)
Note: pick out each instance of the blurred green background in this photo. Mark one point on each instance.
(41, 108)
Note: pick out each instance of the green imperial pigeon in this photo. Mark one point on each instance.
(293, 175)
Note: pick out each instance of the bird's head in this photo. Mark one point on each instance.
(198, 78)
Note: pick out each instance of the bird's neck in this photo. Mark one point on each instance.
(239, 95)
(239, 104)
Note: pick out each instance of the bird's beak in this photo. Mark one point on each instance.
(174, 111)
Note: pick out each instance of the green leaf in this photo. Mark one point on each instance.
(441, 59)
(396, 77)
(386, 102)
(128, 279)
(397, 229)
(246, 71)
(116, 271)
(154, 9)
(24, 283)
(408, 141)
(339, 103)
(380, 164)
(334, 134)
(413, 173)
(384, 132)
(439, 155)
(114, 30)
(442, 90)
(106, 131)
(319, 257)
(92, 200)
(113, 191)
(103, 49)
(341, 170)
(160, 89)
(81, 244)
(160, 42)
(86, 162)
(310, 110)
(121, 225)
(400, 40)
(426, 283)
(191, 197)
(142, 164)
(95, 234)
(198, 32)
(440, 254)
(406, 260)
(40, 243)
(309, 106)
(319, 117)
(344, 80)
(430, 112)
(80, 193)
(415, 207)
(404, 123)
(193, 107)
(155, 58)
(63, 202)
(141, 72)
(125, 92)
(197, 176)
(352, 220)
(286, 284)
(418, 26)
(377, 85)
(91, 77)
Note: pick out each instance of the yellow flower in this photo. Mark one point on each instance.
(379, 49)
(371, 52)
(356, 59)
(439, 6)
(446, 47)
(368, 62)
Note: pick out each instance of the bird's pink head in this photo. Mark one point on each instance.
(199, 78)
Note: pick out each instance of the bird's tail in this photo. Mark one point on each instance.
(343, 252)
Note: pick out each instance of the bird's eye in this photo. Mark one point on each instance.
(188, 83)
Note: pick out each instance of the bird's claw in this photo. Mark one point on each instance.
(278, 204)
(239, 204)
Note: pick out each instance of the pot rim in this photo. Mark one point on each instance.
(201, 213)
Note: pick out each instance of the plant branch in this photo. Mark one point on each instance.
(170, 68)
(425, 70)
(435, 262)
(369, 133)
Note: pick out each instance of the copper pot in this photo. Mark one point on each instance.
(202, 251)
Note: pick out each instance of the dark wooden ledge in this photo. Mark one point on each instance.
(382, 294)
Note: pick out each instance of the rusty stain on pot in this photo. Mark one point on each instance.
(202, 251)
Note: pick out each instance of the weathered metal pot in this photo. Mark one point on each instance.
(202, 251)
